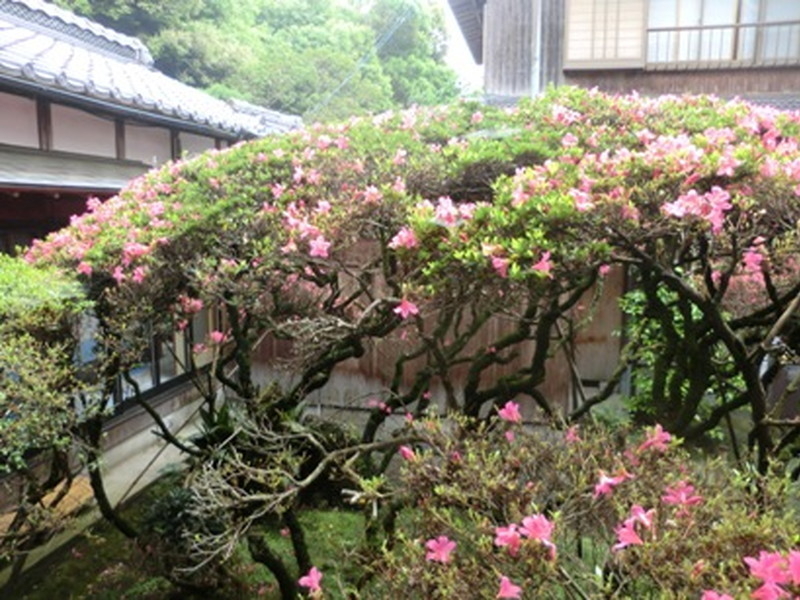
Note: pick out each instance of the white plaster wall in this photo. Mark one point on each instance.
(79, 131)
(150, 145)
(192, 144)
(18, 121)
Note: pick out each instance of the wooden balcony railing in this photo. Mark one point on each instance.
(724, 46)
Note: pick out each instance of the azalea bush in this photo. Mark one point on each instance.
(497, 510)
(458, 250)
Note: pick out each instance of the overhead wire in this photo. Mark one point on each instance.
(379, 43)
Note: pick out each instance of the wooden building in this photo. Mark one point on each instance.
(746, 48)
(83, 110)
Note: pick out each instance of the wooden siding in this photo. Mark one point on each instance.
(508, 47)
(721, 82)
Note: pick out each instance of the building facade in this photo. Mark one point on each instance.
(747, 48)
(83, 110)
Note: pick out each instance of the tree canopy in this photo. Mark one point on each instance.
(318, 58)
(455, 245)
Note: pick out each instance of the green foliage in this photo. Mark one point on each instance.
(466, 480)
(318, 58)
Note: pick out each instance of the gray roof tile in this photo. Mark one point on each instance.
(45, 45)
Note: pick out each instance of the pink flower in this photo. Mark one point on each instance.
(572, 436)
(569, 140)
(477, 117)
(714, 595)
(508, 589)
(544, 265)
(217, 337)
(405, 238)
(446, 213)
(605, 484)
(640, 515)
(500, 265)
(769, 567)
(752, 259)
(604, 270)
(406, 452)
(319, 247)
(139, 274)
(372, 195)
(681, 495)
(406, 309)
(510, 412)
(537, 527)
(508, 537)
(84, 268)
(657, 439)
(769, 591)
(439, 549)
(627, 536)
(311, 580)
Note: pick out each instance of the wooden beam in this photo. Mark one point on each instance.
(44, 121)
(119, 138)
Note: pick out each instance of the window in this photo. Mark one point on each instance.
(604, 33)
(748, 32)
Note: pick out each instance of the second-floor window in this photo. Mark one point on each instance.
(679, 34)
(743, 32)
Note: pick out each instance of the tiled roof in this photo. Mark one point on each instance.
(46, 46)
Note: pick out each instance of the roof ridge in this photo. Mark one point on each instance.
(58, 22)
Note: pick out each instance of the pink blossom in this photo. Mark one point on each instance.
(439, 549)
(569, 140)
(510, 412)
(217, 337)
(657, 439)
(508, 537)
(540, 528)
(311, 580)
(139, 274)
(477, 117)
(508, 589)
(769, 591)
(372, 195)
(544, 265)
(752, 259)
(640, 515)
(406, 452)
(605, 484)
(769, 567)
(446, 214)
(500, 265)
(319, 247)
(627, 536)
(84, 268)
(572, 436)
(406, 309)
(400, 157)
(405, 238)
(681, 494)
(603, 270)
(583, 200)
(118, 275)
(510, 436)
